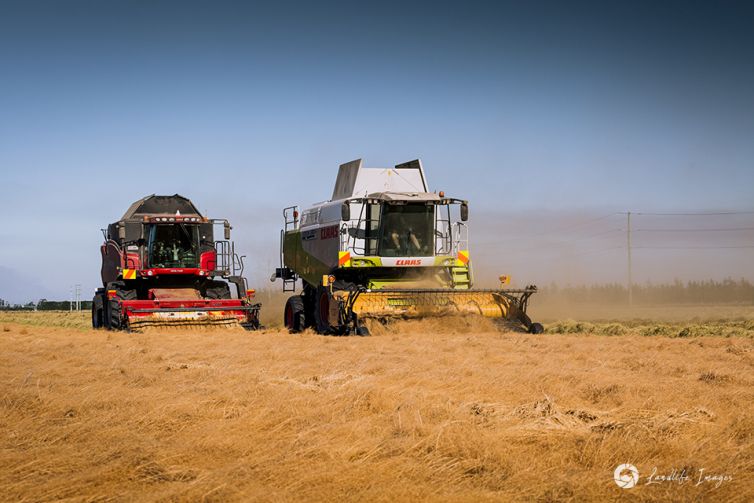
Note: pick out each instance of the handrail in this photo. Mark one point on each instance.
(461, 241)
(292, 222)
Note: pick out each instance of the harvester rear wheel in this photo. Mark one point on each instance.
(96, 316)
(294, 317)
(98, 308)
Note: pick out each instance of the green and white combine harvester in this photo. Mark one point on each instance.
(385, 247)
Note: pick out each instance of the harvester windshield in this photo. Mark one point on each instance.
(407, 230)
(173, 245)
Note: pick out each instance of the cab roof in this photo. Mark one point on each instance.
(161, 205)
(405, 196)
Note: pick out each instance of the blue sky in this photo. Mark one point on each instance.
(540, 112)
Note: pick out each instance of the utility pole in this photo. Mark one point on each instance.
(78, 296)
(628, 248)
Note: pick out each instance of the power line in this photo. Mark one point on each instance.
(577, 225)
(693, 247)
(730, 229)
(598, 251)
(628, 251)
(559, 243)
(547, 249)
(557, 229)
(696, 214)
(582, 238)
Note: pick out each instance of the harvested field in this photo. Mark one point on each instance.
(438, 409)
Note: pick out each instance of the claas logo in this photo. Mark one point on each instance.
(408, 261)
(328, 232)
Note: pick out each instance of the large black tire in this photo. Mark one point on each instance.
(217, 290)
(309, 296)
(98, 311)
(115, 318)
(294, 318)
(121, 291)
(536, 328)
(322, 310)
(96, 316)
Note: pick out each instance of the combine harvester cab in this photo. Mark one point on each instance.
(384, 247)
(162, 266)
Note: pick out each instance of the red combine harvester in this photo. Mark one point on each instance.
(161, 266)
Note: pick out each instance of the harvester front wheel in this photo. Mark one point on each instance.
(115, 318)
(217, 290)
(115, 321)
(322, 310)
(536, 328)
(294, 317)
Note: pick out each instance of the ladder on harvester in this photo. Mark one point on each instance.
(461, 277)
(289, 277)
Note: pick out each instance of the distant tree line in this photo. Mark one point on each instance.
(61, 305)
(727, 291)
(7, 306)
(45, 305)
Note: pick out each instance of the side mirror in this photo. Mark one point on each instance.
(122, 232)
(227, 230)
(464, 212)
(345, 212)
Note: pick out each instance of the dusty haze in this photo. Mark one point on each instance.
(590, 247)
